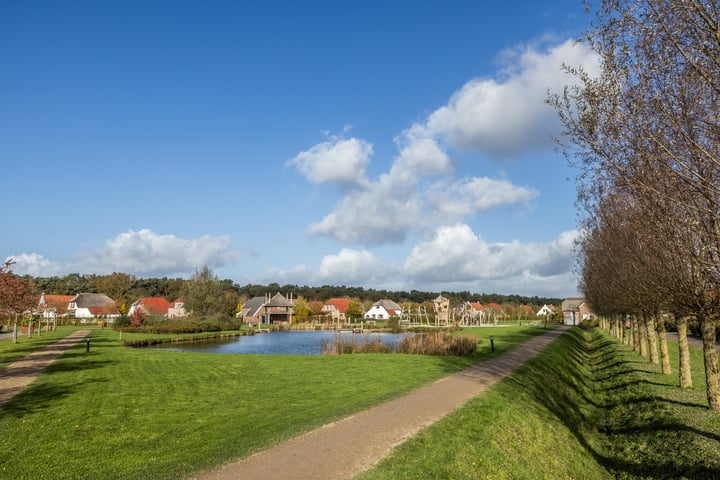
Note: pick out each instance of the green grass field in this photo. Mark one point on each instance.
(120, 412)
(587, 407)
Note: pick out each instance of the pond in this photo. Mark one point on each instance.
(293, 343)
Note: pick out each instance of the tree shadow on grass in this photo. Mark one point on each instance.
(75, 361)
(568, 393)
(40, 396)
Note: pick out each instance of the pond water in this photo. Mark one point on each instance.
(293, 343)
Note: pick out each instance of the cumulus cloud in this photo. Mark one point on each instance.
(456, 254)
(505, 116)
(420, 154)
(379, 214)
(34, 264)
(471, 196)
(337, 160)
(349, 266)
(144, 252)
(413, 194)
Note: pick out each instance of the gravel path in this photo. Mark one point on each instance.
(349, 446)
(19, 374)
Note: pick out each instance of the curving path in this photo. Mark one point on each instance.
(18, 375)
(349, 446)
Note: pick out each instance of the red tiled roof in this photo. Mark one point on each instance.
(155, 305)
(341, 304)
(58, 300)
(108, 310)
(476, 305)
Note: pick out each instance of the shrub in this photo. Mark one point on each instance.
(343, 345)
(439, 343)
(435, 343)
(393, 324)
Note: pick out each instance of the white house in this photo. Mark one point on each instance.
(383, 310)
(93, 306)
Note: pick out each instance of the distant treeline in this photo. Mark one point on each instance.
(126, 289)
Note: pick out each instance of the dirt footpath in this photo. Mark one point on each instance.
(19, 374)
(349, 446)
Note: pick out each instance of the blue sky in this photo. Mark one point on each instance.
(400, 145)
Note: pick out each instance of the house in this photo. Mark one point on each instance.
(546, 310)
(177, 309)
(336, 308)
(53, 306)
(383, 310)
(267, 310)
(575, 311)
(150, 307)
(86, 306)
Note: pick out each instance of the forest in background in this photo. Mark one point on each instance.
(126, 289)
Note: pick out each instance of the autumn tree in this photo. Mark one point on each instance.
(16, 294)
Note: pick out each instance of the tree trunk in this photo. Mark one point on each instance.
(635, 335)
(712, 370)
(652, 339)
(643, 337)
(664, 354)
(684, 368)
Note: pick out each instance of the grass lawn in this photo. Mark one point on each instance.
(587, 407)
(120, 412)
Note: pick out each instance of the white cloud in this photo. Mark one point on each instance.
(34, 264)
(350, 266)
(420, 154)
(506, 116)
(144, 252)
(472, 196)
(380, 214)
(455, 254)
(338, 160)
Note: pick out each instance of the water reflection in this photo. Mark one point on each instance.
(293, 343)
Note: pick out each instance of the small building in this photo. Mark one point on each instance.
(575, 311)
(91, 306)
(267, 310)
(336, 308)
(383, 310)
(53, 306)
(546, 311)
(150, 307)
(177, 309)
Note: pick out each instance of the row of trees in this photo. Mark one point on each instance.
(645, 135)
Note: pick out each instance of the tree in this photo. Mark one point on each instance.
(117, 286)
(355, 309)
(205, 295)
(648, 126)
(16, 294)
